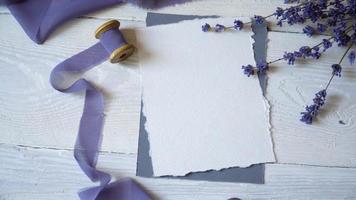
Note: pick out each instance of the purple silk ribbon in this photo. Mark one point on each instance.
(87, 144)
(39, 18)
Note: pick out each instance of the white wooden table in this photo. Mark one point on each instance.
(39, 125)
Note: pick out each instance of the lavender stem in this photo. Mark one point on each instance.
(342, 58)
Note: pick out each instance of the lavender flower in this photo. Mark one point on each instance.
(308, 30)
(262, 67)
(291, 1)
(321, 27)
(305, 51)
(331, 22)
(280, 23)
(341, 37)
(336, 16)
(206, 27)
(352, 56)
(315, 53)
(320, 97)
(312, 110)
(259, 19)
(238, 24)
(326, 44)
(297, 54)
(279, 12)
(219, 28)
(306, 117)
(336, 70)
(292, 15)
(353, 38)
(248, 70)
(290, 57)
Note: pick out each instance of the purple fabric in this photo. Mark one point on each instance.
(87, 144)
(112, 39)
(39, 18)
(8, 2)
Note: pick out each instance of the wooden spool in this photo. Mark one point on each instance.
(121, 53)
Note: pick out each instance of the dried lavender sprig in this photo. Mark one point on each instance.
(303, 52)
(282, 58)
(293, 15)
(317, 45)
(335, 74)
(280, 10)
(219, 28)
(352, 57)
(321, 28)
(268, 16)
(312, 111)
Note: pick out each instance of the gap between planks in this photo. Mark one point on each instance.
(60, 149)
(121, 153)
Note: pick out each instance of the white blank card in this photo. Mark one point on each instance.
(202, 112)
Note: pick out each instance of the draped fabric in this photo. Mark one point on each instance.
(89, 134)
(39, 18)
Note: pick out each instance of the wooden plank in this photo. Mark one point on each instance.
(44, 172)
(50, 174)
(27, 173)
(31, 97)
(32, 113)
(198, 7)
(291, 88)
(225, 8)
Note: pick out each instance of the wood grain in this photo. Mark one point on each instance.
(42, 103)
(38, 125)
(53, 174)
(224, 8)
(32, 113)
(291, 88)
(198, 7)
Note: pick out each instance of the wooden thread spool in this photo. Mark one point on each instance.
(122, 52)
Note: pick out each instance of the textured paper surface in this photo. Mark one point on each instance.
(202, 112)
(252, 174)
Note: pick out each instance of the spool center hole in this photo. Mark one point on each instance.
(123, 56)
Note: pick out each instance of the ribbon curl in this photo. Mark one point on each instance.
(87, 143)
(39, 18)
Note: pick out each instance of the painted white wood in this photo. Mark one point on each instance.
(291, 88)
(53, 174)
(198, 7)
(32, 113)
(46, 169)
(225, 8)
(61, 112)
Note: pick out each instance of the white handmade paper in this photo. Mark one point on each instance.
(202, 112)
